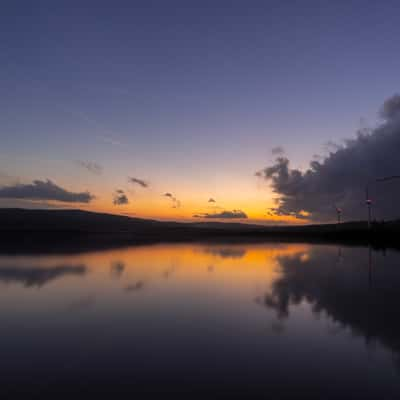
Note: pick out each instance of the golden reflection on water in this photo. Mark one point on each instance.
(230, 264)
(104, 278)
(245, 310)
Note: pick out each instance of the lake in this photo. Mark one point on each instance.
(276, 320)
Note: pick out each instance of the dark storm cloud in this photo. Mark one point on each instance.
(339, 285)
(175, 202)
(278, 150)
(139, 182)
(235, 214)
(38, 276)
(120, 198)
(340, 178)
(92, 167)
(43, 190)
(391, 108)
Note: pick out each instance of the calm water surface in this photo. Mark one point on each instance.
(277, 320)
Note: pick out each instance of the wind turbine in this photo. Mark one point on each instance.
(339, 213)
(368, 201)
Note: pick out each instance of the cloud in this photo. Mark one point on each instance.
(235, 214)
(92, 167)
(226, 252)
(134, 287)
(138, 181)
(341, 177)
(110, 140)
(278, 150)
(175, 202)
(43, 190)
(120, 198)
(38, 276)
(335, 285)
(211, 200)
(117, 268)
(391, 108)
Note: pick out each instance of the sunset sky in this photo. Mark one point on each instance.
(190, 98)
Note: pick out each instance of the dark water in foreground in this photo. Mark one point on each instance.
(277, 320)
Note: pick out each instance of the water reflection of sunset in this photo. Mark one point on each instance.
(253, 309)
(191, 260)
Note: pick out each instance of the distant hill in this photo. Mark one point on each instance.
(15, 219)
(21, 228)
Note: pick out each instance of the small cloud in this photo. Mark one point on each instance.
(43, 190)
(235, 214)
(120, 198)
(175, 202)
(117, 268)
(110, 140)
(92, 167)
(37, 275)
(226, 252)
(134, 287)
(211, 200)
(138, 181)
(278, 150)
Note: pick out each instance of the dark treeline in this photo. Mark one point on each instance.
(74, 230)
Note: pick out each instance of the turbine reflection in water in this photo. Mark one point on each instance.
(191, 330)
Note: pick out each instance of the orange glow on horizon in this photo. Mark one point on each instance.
(162, 210)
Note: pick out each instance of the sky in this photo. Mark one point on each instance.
(190, 98)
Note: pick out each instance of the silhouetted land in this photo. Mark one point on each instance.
(75, 230)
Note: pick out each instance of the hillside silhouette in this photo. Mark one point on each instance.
(52, 230)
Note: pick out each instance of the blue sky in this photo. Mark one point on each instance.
(189, 95)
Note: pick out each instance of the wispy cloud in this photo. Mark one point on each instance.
(138, 181)
(92, 167)
(44, 190)
(110, 140)
(278, 150)
(107, 136)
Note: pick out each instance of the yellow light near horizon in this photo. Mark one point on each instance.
(155, 206)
